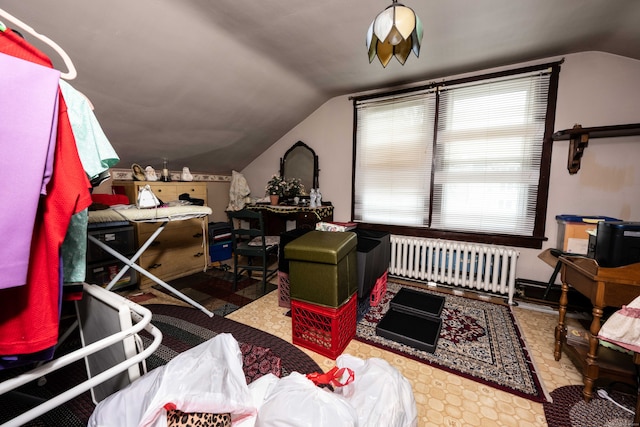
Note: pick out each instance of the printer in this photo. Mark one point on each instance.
(617, 243)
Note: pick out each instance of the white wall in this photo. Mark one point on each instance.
(596, 89)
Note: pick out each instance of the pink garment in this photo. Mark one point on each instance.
(28, 123)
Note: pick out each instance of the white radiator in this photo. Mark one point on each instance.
(481, 267)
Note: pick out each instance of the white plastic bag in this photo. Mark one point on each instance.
(379, 393)
(259, 390)
(207, 378)
(295, 401)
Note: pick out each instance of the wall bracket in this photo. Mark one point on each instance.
(579, 139)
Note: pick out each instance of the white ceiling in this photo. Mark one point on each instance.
(213, 83)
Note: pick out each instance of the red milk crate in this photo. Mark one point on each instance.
(378, 290)
(283, 290)
(324, 330)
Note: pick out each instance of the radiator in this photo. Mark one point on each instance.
(487, 268)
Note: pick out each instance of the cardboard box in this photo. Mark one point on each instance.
(572, 232)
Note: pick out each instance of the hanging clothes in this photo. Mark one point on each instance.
(29, 315)
(97, 156)
(27, 137)
(96, 153)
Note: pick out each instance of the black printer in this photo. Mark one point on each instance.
(617, 243)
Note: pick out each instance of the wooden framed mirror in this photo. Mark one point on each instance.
(300, 161)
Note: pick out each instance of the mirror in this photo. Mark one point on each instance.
(300, 161)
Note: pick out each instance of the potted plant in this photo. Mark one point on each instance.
(275, 188)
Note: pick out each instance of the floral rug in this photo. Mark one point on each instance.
(479, 340)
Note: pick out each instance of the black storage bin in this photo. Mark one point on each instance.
(382, 257)
(101, 274)
(421, 332)
(368, 254)
(617, 243)
(287, 237)
(219, 232)
(121, 239)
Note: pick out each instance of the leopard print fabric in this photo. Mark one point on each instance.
(176, 418)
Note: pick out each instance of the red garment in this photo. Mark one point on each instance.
(29, 315)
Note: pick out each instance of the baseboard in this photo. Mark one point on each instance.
(533, 291)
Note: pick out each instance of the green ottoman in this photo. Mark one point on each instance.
(322, 267)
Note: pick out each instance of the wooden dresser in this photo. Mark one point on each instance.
(178, 251)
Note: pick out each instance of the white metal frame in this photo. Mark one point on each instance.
(142, 320)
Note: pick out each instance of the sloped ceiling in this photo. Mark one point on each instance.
(213, 83)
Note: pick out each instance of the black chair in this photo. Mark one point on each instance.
(556, 253)
(249, 242)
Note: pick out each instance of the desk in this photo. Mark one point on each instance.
(605, 287)
(276, 217)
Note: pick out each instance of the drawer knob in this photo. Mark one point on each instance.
(198, 255)
(198, 235)
(152, 266)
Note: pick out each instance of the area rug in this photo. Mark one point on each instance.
(479, 340)
(182, 329)
(569, 409)
(214, 290)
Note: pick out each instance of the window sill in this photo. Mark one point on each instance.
(494, 239)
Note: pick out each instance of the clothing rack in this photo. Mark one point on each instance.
(98, 306)
(69, 75)
(141, 319)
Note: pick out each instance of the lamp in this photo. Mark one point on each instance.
(396, 31)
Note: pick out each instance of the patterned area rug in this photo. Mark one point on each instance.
(479, 340)
(182, 329)
(214, 290)
(569, 409)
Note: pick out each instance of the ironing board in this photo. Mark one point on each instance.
(161, 215)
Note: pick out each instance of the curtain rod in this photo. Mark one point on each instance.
(530, 68)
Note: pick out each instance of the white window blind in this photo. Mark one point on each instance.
(485, 164)
(394, 145)
(488, 151)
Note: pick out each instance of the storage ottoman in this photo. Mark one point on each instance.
(323, 267)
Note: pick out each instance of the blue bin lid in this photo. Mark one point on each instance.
(582, 218)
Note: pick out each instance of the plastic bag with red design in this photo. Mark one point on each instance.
(296, 401)
(379, 393)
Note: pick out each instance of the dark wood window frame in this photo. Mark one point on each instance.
(535, 241)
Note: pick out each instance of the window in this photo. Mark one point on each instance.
(462, 157)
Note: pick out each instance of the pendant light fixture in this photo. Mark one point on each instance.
(396, 31)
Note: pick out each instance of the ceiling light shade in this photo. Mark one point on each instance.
(396, 31)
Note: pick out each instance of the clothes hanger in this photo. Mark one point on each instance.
(69, 75)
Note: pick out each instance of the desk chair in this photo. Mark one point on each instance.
(250, 242)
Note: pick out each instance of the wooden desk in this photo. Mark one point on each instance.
(605, 287)
(276, 217)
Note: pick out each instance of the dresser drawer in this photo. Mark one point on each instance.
(194, 191)
(175, 238)
(170, 264)
(190, 226)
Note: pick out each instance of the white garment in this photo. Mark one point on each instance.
(238, 192)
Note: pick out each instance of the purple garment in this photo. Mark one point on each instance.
(28, 123)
